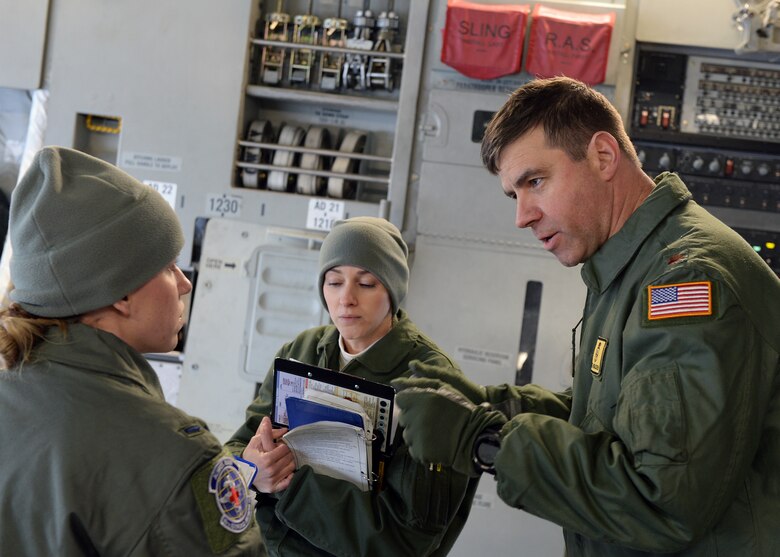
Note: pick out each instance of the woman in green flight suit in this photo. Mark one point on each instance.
(93, 460)
(420, 511)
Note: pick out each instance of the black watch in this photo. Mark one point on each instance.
(485, 449)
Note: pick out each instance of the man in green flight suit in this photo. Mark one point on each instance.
(669, 439)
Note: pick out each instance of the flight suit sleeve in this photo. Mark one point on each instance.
(513, 400)
(208, 513)
(661, 471)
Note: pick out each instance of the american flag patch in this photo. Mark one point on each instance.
(679, 300)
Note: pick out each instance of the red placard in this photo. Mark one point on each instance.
(484, 41)
(568, 43)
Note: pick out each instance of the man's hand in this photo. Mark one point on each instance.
(441, 375)
(274, 461)
(441, 425)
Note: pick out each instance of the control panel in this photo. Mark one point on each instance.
(732, 100)
(706, 99)
(714, 119)
(723, 178)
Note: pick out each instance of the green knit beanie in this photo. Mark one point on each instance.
(84, 234)
(373, 244)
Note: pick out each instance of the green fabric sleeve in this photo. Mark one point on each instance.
(200, 533)
(512, 400)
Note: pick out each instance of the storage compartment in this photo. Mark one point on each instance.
(330, 108)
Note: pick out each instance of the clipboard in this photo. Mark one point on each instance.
(291, 377)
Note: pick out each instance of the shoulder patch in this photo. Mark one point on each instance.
(231, 494)
(684, 299)
(224, 501)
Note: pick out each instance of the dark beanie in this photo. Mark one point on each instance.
(373, 244)
(84, 234)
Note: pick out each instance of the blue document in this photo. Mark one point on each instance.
(301, 411)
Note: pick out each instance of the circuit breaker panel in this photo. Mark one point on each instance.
(328, 116)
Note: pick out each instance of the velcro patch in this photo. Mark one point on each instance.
(685, 299)
(224, 501)
(231, 494)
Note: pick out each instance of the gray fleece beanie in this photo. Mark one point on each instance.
(85, 234)
(372, 244)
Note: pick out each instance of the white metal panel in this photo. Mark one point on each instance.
(467, 202)
(495, 529)
(22, 41)
(212, 385)
(284, 301)
(226, 306)
(471, 295)
(471, 270)
(448, 125)
(688, 23)
(457, 197)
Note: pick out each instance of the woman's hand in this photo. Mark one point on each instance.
(274, 461)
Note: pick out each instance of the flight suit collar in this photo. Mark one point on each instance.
(384, 357)
(94, 351)
(328, 347)
(605, 265)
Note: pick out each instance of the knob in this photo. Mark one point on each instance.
(763, 169)
(642, 156)
(746, 167)
(665, 162)
(714, 166)
(698, 163)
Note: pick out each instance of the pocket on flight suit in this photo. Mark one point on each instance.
(429, 495)
(649, 417)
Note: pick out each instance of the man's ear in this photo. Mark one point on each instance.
(122, 306)
(604, 151)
